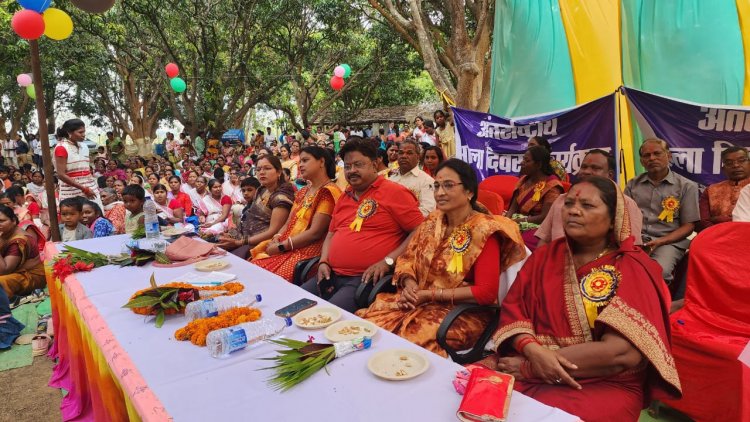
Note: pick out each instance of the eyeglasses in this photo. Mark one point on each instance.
(448, 185)
(358, 165)
(732, 163)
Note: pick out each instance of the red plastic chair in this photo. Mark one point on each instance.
(712, 329)
(492, 201)
(502, 185)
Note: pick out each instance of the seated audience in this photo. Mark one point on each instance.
(717, 201)
(411, 177)
(593, 341)
(21, 268)
(370, 227)
(535, 192)
(266, 214)
(93, 218)
(176, 193)
(133, 196)
(431, 159)
(71, 210)
(455, 256)
(302, 236)
(114, 210)
(596, 162)
(171, 212)
(214, 209)
(557, 167)
(669, 203)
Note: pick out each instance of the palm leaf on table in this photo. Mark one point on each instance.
(297, 362)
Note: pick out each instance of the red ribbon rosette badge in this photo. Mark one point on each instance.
(366, 209)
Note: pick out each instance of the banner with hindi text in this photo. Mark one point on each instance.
(495, 145)
(696, 133)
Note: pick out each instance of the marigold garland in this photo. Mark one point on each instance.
(230, 288)
(197, 330)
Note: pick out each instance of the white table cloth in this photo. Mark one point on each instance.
(192, 386)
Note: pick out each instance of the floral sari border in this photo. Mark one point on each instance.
(642, 333)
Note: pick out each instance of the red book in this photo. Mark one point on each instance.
(487, 396)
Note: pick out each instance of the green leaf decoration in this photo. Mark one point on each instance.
(297, 362)
(160, 319)
(152, 280)
(162, 258)
(142, 302)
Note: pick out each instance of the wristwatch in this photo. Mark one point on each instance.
(389, 261)
(282, 248)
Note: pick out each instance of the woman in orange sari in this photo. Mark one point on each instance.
(302, 236)
(585, 326)
(536, 191)
(456, 255)
(21, 268)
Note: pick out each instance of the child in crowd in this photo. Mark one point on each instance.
(5, 177)
(133, 196)
(71, 229)
(94, 219)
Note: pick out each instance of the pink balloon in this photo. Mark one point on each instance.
(339, 71)
(24, 79)
(172, 70)
(337, 83)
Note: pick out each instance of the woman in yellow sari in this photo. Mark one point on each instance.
(455, 256)
(302, 235)
(536, 191)
(21, 269)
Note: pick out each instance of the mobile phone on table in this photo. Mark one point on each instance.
(295, 308)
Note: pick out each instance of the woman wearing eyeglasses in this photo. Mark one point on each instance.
(455, 256)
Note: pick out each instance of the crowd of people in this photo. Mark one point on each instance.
(585, 323)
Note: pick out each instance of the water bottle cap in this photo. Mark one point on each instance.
(288, 321)
(259, 298)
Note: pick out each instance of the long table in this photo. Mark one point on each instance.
(119, 366)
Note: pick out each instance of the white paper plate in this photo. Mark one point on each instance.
(398, 364)
(316, 318)
(349, 330)
(211, 265)
(174, 231)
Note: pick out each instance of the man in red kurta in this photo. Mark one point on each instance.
(718, 200)
(370, 227)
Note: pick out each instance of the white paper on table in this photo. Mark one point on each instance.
(203, 278)
(745, 355)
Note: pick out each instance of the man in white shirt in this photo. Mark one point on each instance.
(36, 150)
(9, 152)
(742, 207)
(268, 138)
(411, 177)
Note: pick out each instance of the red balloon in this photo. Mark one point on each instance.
(172, 70)
(28, 24)
(337, 83)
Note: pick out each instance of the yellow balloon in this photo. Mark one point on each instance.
(57, 24)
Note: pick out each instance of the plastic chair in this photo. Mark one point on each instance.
(480, 348)
(303, 269)
(503, 185)
(492, 201)
(713, 328)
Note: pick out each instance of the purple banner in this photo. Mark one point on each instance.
(696, 134)
(495, 145)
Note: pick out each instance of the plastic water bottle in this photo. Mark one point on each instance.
(151, 220)
(207, 308)
(221, 343)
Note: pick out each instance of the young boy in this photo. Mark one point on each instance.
(5, 177)
(236, 242)
(133, 196)
(70, 214)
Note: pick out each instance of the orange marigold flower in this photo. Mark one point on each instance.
(197, 330)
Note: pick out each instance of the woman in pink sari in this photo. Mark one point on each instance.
(585, 326)
(536, 191)
(214, 209)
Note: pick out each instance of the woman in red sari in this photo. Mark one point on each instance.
(302, 236)
(536, 191)
(585, 326)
